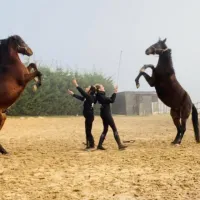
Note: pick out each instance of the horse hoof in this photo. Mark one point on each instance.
(2, 150)
(138, 85)
(142, 69)
(36, 79)
(39, 74)
(34, 88)
(4, 153)
(38, 84)
(175, 144)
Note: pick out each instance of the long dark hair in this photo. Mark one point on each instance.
(92, 90)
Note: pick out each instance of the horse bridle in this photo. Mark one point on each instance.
(159, 50)
(20, 47)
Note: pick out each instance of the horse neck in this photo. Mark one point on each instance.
(3, 51)
(9, 57)
(15, 57)
(165, 63)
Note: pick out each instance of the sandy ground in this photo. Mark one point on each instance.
(47, 161)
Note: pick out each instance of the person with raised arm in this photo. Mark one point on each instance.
(89, 98)
(106, 116)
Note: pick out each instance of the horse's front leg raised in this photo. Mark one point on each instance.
(37, 79)
(146, 67)
(150, 80)
(29, 68)
(29, 77)
(32, 66)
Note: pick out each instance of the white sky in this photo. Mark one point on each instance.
(88, 33)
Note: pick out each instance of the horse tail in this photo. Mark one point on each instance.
(195, 122)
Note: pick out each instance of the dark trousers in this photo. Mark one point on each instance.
(89, 118)
(108, 121)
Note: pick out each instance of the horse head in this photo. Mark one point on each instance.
(17, 44)
(157, 48)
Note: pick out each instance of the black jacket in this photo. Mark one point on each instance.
(89, 101)
(105, 101)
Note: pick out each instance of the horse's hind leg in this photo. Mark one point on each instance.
(183, 127)
(185, 113)
(2, 121)
(176, 119)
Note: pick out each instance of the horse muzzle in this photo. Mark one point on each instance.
(25, 50)
(28, 51)
(149, 51)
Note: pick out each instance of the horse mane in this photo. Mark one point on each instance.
(15, 37)
(4, 45)
(166, 58)
(3, 48)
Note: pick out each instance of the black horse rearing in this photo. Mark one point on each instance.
(169, 90)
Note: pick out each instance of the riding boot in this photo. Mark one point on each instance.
(92, 145)
(87, 143)
(101, 140)
(117, 138)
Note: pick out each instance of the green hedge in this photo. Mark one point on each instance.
(52, 97)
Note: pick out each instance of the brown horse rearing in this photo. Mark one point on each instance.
(14, 75)
(169, 90)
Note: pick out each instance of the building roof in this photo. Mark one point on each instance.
(140, 92)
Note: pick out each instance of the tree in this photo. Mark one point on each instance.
(52, 98)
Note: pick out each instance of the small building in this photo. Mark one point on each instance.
(136, 103)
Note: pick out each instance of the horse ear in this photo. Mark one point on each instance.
(159, 39)
(164, 40)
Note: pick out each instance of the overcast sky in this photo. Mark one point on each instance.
(85, 34)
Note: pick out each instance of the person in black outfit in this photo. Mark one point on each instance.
(106, 116)
(89, 98)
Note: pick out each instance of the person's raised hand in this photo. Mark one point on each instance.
(70, 92)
